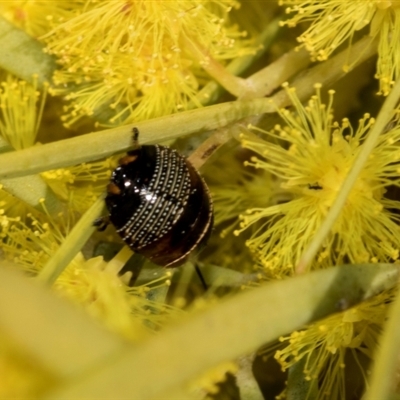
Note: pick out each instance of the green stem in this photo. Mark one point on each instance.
(23, 56)
(269, 78)
(233, 84)
(272, 76)
(98, 145)
(386, 365)
(248, 386)
(73, 243)
(325, 73)
(386, 113)
(212, 89)
(103, 144)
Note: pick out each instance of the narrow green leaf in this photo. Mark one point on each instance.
(23, 56)
(32, 189)
(234, 327)
(387, 362)
(76, 239)
(56, 334)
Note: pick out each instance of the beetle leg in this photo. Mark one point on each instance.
(201, 277)
(102, 223)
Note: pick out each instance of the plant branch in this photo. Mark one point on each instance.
(97, 145)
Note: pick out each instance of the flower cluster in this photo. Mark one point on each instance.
(311, 155)
(334, 22)
(92, 283)
(21, 106)
(328, 347)
(36, 17)
(82, 184)
(132, 57)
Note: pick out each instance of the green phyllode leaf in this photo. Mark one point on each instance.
(234, 327)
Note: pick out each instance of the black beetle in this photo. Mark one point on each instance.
(159, 204)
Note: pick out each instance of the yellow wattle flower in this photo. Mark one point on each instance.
(335, 22)
(80, 185)
(327, 347)
(92, 283)
(311, 156)
(21, 109)
(35, 17)
(133, 57)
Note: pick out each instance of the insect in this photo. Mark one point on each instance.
(159, 204)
